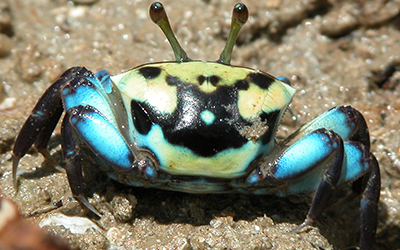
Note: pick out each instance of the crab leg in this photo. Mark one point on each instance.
(107, 143)
(96, 118)
(312, 163)
(346, 121)
(99, 119)
(304, 158)
(86, 125)
(369, 206)
(329, 179)
(73, 162)
(40, 124)
(75, 91)
(100, 136)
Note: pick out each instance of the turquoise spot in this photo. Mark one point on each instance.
(207, 116)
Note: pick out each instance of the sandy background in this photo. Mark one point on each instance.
(335, 52)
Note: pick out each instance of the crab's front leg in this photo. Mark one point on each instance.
(95, 118)
(328, 152)
(84, 125)
(44, 117)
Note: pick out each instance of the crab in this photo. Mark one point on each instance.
(203, 127)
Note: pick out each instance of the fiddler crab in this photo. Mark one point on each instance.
(203, 127)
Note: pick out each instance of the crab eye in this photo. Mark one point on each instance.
(240, 14)
(159, 17)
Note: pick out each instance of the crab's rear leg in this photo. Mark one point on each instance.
(42, 121)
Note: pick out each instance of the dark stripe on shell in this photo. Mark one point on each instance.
(272, 123)
(141, 119)
(201, 79)
(242, 85)
(214, 80)
(173, 81)
(262, 80)
(150, 72)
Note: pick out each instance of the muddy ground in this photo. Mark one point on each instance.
(335, 52)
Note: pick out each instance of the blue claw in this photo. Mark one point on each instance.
(305, 155)
(102, 137)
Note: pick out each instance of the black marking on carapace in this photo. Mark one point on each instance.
(173, 80)
(184, 126)
(141, 119)
(214, 80)
(272, 123)
(261, 80)
(150, 72)
(242, 85)
(201, 79)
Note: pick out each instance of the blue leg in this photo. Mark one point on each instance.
(345, 121)
(362, 168)
(88, 90)
(313, 163)
(96, 118)
(104, 129)
(103, 139)
(99, 121)
(330, 151)
(85, 125)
